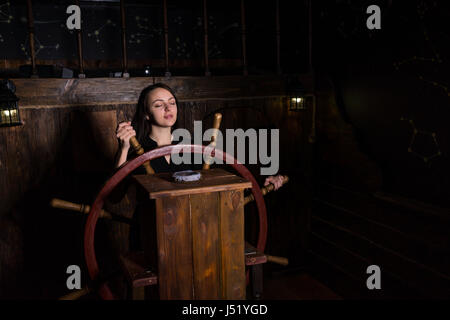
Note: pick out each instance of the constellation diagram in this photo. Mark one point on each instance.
(425, 137)
(146, 31)
(181, 47)
(350, 22)
(213, 48)
(178, 20)
(5, 16)
(37, 45)
(5, 13)
(436, 84)
(98, 31)
(435, 58)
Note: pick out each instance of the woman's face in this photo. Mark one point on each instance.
(162, 107)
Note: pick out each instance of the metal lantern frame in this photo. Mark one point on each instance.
(9, 105)
(297, 95)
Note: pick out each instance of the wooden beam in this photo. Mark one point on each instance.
(278, 36)
(48, 93)
(81, 73)
(243, 38)
(34, 73)
(166, 38)
(102, 65)
(310, 15)
(205, 28)
(125, 73)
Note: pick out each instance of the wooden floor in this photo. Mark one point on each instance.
(295, 286)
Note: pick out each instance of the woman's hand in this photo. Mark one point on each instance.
(277, 181)
(124, 132)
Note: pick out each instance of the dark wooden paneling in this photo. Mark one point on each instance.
(174, 230)
(416, 223)
(205, 242)
(354, 224)
(416, 235)
(232, 245)
(335, 274)
(342, 233)
(109, 64)
(46, 93)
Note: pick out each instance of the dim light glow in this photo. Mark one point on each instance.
(297, 100)
(9, 116)
(10, 113)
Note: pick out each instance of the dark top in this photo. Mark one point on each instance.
(160, 164)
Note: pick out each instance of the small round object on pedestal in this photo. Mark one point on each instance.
(186, 176)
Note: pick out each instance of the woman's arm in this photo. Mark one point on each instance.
(124, 132)
(277, 181)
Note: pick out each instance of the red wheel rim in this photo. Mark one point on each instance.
(89, 247)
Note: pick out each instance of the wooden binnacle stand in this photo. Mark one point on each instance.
(199, 233)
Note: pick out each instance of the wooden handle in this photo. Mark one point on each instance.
(139, 150)
(216, 126)
(265, 190)
(62, 204)
(83, 208)
(76, 294)
(280, 260)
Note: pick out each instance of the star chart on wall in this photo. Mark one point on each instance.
(213, 47)
(145, 31)
(427, 137)
(5, 16)
(434, 58)
(96, 34)
(38, 46)
(5, 13)
(442, 86)
(350, 18)
(181, 48)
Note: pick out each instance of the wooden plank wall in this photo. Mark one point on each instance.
(66, 146)
(353, 225)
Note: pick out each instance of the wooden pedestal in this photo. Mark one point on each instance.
(200, 235)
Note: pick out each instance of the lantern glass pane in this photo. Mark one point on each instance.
(297, 103)
(9, 113)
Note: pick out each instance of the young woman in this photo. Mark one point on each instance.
(156, 114)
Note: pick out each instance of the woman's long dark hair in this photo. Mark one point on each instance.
(139, 123)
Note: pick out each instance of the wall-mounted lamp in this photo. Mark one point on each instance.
(297, 96)
(297, 103)
(9, 106)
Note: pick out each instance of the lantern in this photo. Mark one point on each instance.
(297, 96)
(9, 107)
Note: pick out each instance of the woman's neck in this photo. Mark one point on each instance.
(161, 135)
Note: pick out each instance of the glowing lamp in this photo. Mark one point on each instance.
(9, 106)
